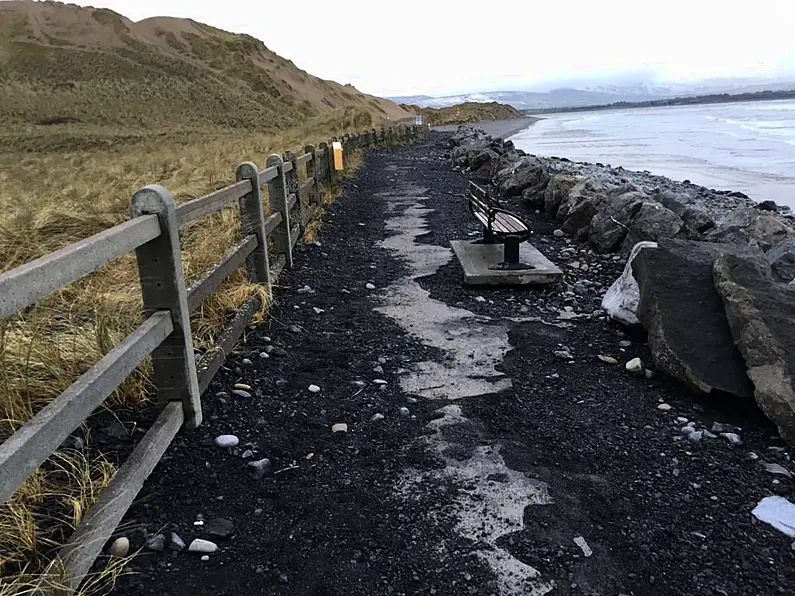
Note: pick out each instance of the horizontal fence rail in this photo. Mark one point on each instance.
(295, 189)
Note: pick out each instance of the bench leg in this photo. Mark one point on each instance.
(511, 256)
(488, 237)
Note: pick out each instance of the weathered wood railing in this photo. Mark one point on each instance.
(165, 335)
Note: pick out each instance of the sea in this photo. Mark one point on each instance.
(747, 147)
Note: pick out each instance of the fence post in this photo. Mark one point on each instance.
(293, 186)
(332, 172)
(163, 288)
(375, 137)
(321, 167)
(312, 172)
(277, 194)
(252, 216)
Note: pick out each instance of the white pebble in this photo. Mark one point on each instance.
(205, 557)
(377, 417)
(380, 382)
(340, 427)
(664, 407)
(634, 366)
(314, 389)
(405, 412)
(480, 299)
(226, 441)
(202, 546)
(370, 287)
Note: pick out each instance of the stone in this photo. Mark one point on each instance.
(761, 315)
(557, 191)
(202, 546)
(482, 158)
(317, 311)
(340, 427)
(563, 354)
(220, 527)
(176, 543)
(747, 225)
(241, 393)
(634, 366)
(620, 301)
(610, 225)
(313, 389)
(295, 329)
(778, 470)
(278, 352)
(781, 258)
(664, 407)
(688, 334)
(156, 543)
(767, 206)
(558, 233)
(205, 557)
(404, 412)
(370, 286)
(260, 468)
(226, 441)
(119, 547)
(607, 359)
(652, 222)
(527, 177)
(74, 442)
(377, 417)
(379, 382)
(583, 202)
(246, 362)
(732, 438)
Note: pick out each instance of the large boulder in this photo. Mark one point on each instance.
(652, 222)
(529, 172)
(689, 336)
(621, 299)
(746, 225)
(482, 158)
(782, 259)
(558, 190)
(609, 227)
(579, 207)
(684, 205)
(470, 147)
(761, 315)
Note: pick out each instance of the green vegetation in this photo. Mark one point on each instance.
(467, 112)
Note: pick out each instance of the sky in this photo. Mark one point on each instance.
(442, 47)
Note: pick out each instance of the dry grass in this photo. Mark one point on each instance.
(49, 199)
(468, 112)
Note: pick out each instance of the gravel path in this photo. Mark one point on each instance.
(476, 460)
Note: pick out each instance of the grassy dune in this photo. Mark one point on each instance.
(467, 112)
(93, 107)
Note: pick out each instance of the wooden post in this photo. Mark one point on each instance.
(293, 186)
(252, 216)
(312, 172)
(163, 288)
(375, 137)
(321, 167)
(277, 194)
(332, 172)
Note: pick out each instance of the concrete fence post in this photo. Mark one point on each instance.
(252, 216)
(163, 288)
(277, 193)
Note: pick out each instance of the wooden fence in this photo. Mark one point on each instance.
(165, 335)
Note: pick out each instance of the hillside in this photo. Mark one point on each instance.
(466, 112)
(68, 64)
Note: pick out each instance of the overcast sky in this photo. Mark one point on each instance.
(440, 47)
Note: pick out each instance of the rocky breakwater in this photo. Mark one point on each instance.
(709, 284)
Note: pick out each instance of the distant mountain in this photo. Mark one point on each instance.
(589, 95)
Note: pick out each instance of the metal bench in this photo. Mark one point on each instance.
(499, 227)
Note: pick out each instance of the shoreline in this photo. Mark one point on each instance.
(495, 128)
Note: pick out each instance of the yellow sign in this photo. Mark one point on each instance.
(336, 147)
